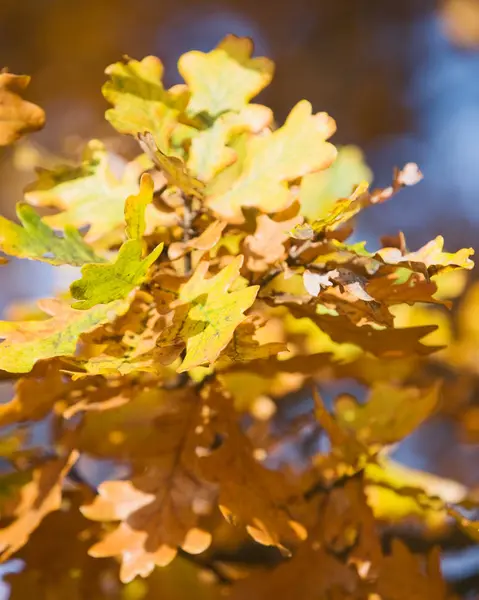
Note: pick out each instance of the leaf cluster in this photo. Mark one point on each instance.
(216, 282)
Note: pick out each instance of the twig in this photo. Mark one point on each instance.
(187, 224)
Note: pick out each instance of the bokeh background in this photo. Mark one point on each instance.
(401, 78)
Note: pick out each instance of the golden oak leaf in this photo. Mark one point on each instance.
(90, 194)
(402, 286)
(17, 116)
(388, 342)
(245, 347)
(27, 342)
(34, 239)
(42, 495)
(207, 313)
(158, 508)
(328, 564)
(272, 161)
(390, 413)
(210, 153)
(267, 245)
(174, 168)
(248, 492)
(141, 103)
(47, 388)
(226, 78)
(406, 576)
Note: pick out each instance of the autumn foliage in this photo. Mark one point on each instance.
(217, 293)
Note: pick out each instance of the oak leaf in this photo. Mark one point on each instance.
(91, 194)
(174, 168)
(207, 313)
(140, 102)
(42, 495)
(210, 153)
(30, 341)
(34, 239)
(226, 78)
(158, 508)
(431, 256)
(249, 493)
(268, 243)
(106, 282)
(17, 116)
(390, 413)
(272, 161)
(319, 191)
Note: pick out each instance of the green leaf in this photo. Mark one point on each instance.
(271, 161)
(27, 342)
(90, 194)
(140, 101)
(226, 78)
(104, 283)
(34, 239)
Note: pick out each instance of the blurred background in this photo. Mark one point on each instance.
(400, 78)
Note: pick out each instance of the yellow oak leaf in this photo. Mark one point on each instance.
(140, 102)
(207, 313)
(390, 413)
(90, 194)
(36, 240)
(431, 256)
(174, 169)
(27, 342)
(210, 152)
(226, 78)
(17, 116)
(272, 161)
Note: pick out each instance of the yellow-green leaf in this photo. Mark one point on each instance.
(34, 239)
(135, 207)
(226, 78)
(271, 161)
(140, 102)
(90, 194)
(104, 283)
(27, 342)
(319, 191)
(208, 313)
